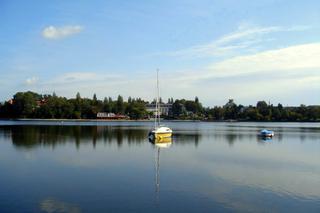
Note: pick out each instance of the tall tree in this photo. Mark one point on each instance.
(78, 96)
(230, 110)
(196, 99)
(25, 103)
(120, 105)
(94, 99)
(264, 110)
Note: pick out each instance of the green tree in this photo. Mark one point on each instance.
(120, 105)
(25, 103)
(276, 114)
(264, 110)
(136, 109)
(230, 110)
(106, 105)
(94, 99)
(178, 109)
(7, 111)
(216, 113)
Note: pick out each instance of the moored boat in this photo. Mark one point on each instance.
(266, 133)
(160, 132)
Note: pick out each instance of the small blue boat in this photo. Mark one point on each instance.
(266, 133)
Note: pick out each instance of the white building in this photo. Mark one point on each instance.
(164, 108)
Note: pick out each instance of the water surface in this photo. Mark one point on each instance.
(112, 167)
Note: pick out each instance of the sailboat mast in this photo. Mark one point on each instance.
(156, 109)
(158, 170)
(158, 98)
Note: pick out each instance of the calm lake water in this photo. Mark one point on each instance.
(112, 167)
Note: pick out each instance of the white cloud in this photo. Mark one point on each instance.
(52, 32)
(31, 81)
(304, 56)
(243, 39)
(286, 60)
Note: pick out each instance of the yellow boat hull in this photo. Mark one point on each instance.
(161, 142)
(162, 135)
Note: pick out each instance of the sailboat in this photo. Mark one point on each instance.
(159, 131)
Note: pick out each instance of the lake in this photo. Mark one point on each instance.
(112, 167)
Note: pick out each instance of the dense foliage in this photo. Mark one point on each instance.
(184, 109)
(33, 105)
(264, 112)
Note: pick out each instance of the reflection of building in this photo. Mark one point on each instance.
(164, 108)
(110, 115)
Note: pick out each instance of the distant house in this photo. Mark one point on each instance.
(164, 108)
(111, 116)
(10, 101)
(41, 102)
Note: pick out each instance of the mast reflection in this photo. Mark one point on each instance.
(159, 143)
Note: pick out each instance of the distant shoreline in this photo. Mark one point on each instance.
(96, 120)
(33, 106)
(145, 120)
(73, 120)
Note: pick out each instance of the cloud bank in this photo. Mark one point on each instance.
(305, 56)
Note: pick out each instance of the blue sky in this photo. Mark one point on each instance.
(216, 50)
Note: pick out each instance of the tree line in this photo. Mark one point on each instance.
(32, 105)
(184, 109)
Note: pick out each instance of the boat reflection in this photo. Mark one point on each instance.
(159, 143)
(266, 139)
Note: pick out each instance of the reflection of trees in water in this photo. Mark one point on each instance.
(32, 136)
(28, 136)
(183, 138)
(231, 138)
